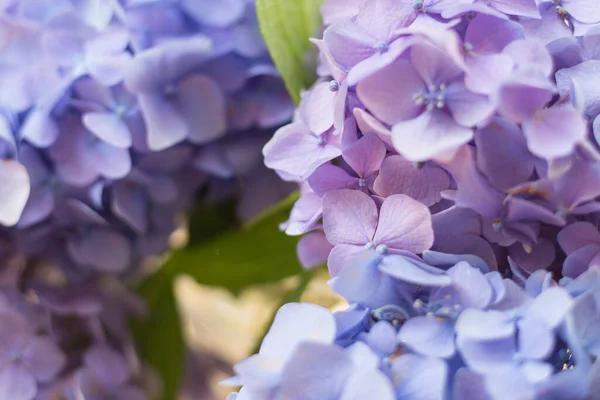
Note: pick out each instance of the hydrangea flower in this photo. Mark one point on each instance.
(114, 115)
(469, 132)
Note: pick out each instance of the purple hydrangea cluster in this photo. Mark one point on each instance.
(449, 160)
(114, 114)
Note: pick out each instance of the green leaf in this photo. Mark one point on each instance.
(257, 253)
(159, 337)
(286, 26)
(219, 254)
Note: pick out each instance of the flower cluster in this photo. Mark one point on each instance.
(113, 116)
(450, 172)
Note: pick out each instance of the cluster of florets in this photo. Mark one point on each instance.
(450, 170)
(113, 115)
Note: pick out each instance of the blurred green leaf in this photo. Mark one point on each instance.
(219, 254)
(286, 26)
(159, 337)
(257, 253)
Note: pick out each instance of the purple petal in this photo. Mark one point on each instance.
(295, 150)
(202, 104)
(368, 384)
(581, 260)
(467, 108)
(315, 371)
(586, 323)
(541, 256)
(295, 323)
(548, 29)
(554, 132)
(433, 65)
(469, 386)
(417, 377)
(313, 249)
(486, 73)
(551, 306)
(525, 8)
(349, 217)
(111, 162)
(414, 272)
(502, 154)
(583, 76)
(389, 93)
(399, 176)
(520, 99)
(378, 61)
(361, 281)
(43, 358)
(429, 336)
(489, 35)
(39, 128)
(329, 177)
(16, 382)
(129, 204)
(577, 235)
(433, 134)
(488, 356)
(348, 43)
(473, 190)
(15, 333)
(108, 127)
(365, 155)
(166, 127)
(107, 365)
(335, 10)
(14, 190)
(341, 256)
(585, 11)
(530, 55)
(318, 107)
(220, 13)
(536, 339)
(484, 325)
(404, 224)
(103, 249)
(369, 124)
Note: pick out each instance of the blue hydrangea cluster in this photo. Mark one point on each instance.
(449, 160)
(114, 115)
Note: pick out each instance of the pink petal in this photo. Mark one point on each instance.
(365, 155)
(404, 224)
(399, 176)
(349, 217)
(341, 256)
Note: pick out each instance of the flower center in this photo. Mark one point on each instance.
(434, 97)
